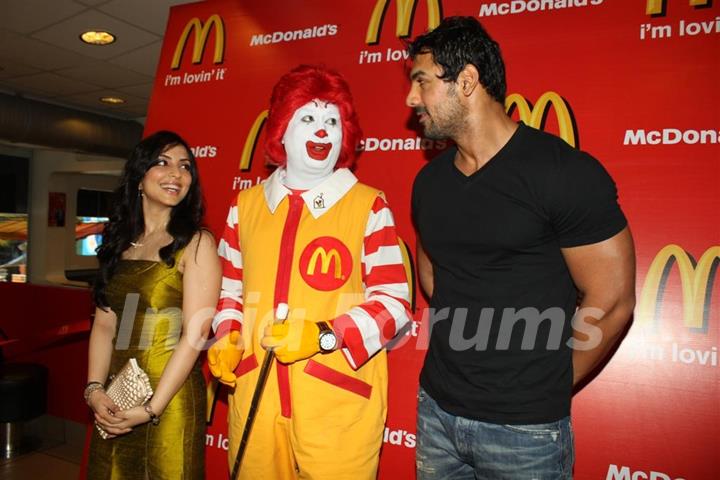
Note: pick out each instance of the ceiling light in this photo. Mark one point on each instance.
(112, 100)
(97, 38)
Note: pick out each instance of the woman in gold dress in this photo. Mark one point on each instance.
(156, 290)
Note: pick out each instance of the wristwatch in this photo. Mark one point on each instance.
(154, 419)
(327, 338)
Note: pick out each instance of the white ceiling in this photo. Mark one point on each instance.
(42, 57)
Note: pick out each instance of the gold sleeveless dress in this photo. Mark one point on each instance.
(147, 298)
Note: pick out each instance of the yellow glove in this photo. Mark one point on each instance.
(224, 357)
(293, 340)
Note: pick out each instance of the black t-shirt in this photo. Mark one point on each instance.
(503, 297)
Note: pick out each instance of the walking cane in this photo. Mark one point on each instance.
(281, 313)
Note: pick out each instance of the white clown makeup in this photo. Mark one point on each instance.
(313, 140)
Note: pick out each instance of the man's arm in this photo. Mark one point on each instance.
(225, 354)
(604, 273)
(425, 270)
(229, 312)
(367, 327)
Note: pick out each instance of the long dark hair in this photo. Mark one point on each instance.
(127, 222)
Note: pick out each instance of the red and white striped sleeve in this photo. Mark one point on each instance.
(229, 311)
(368, 327)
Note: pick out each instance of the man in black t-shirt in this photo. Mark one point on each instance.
(514, 227)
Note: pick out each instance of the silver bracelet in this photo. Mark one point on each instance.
(90, 388)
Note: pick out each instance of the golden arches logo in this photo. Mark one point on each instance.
(327, 252)
(202, 32)
(251, 140)
(534, 116)
(657, 7)
(325, 258)
(404, 10)
(695, 279)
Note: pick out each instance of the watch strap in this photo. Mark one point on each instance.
(153, 418)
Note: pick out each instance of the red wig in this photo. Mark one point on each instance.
(300, 86)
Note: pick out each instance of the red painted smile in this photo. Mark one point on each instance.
(318, 151)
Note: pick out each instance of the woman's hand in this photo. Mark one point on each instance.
(107, 414)
(125, 420)
(133, 417)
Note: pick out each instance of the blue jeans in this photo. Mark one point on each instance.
(451, 447)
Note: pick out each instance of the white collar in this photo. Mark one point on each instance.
(319, 199)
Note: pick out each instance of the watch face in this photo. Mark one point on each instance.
(327, 341)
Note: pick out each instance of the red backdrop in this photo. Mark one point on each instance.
(635, 85)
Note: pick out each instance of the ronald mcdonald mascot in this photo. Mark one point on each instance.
(315, 239)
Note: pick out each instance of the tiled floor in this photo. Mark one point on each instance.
(54, 457)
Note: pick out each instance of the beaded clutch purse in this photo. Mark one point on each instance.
(129, 388)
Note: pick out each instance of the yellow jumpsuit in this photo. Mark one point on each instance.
(318, 418)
